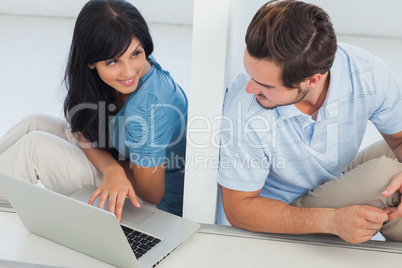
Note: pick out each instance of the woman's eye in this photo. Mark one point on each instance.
(110, 62)
(136, 53)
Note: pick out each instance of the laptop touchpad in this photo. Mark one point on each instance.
(135, 215)
(130, 213)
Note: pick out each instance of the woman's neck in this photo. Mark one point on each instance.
(120, 100)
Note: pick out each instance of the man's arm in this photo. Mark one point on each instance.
(395, 143)
(250, 211)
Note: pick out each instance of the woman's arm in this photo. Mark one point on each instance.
(120, 179)
(149, 182)
(115, 185)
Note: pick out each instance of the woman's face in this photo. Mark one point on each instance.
(124, 73)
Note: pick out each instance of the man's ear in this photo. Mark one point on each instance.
(314, 80)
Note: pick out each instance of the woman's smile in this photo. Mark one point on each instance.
(128, 82)
(124, 73)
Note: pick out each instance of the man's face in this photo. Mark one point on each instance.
(266, 85)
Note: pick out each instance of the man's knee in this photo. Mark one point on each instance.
(382, 170)
(361, 186)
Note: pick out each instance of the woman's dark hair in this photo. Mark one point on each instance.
(297, 36)
(104, 30)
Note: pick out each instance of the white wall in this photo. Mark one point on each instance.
(240, 14)
(158, 11)
(365, 17)
(350, 17)
(361, 17)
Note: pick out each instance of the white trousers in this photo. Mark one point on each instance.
(41, 147)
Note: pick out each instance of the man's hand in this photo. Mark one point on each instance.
(115, 187)
(248, 210)
(357, 224)
(395, 185)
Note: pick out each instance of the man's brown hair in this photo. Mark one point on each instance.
(297, 36)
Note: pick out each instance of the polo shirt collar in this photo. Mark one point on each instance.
(340, 85)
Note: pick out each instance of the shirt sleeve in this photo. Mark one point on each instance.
(148, 131)
(388, 115)
(243, 164)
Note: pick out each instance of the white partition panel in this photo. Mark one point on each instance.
(207, 85)
(219, 29)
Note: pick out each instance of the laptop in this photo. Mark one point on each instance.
(143, 238)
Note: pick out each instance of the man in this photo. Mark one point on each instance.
(294, 122)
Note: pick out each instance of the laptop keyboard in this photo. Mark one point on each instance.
(140, 242)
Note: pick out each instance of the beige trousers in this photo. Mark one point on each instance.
(362, 183)
(41, 147)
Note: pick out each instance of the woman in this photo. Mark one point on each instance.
(124, 111)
